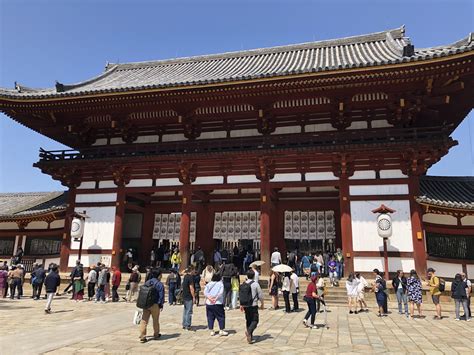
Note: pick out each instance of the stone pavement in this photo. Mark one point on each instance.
(87, 327)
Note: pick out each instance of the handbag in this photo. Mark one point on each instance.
(127, 286)
(137, 317)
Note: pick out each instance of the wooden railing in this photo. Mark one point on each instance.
(323, 140)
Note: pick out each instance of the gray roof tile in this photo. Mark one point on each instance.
(448, 192)
(31, 203)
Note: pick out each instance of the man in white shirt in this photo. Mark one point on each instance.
(294, 289)
(275, 258)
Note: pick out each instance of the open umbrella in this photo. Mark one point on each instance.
(282, 268)
(257, 263)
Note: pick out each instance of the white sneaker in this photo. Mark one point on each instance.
(213, 333)
(223, 333)
(468, 320)
(456, 319)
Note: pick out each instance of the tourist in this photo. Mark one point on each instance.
(459, 294)
(294, 289)
(320, 285)
(155, 310)
(3, 282)
(51, 284)
(15, 275)
(197, 287)
(285, 288)
(310, 297)
(469, 291)
(116, 281)
(160, 253)
(379, 288)
(234, 285)
(256, 272)
(339, 263)
(363, 284)
(152, 258)
(217, 259)
(247, 260)
(78, 289)
(320, 262)
(148, 274)
(275, 259)
(249, 303)
(101, 281)
(224, 256)
(352, 287)
(133, 281)
(188, 297)
(314, 268)
(199, 259)
(214, 294)
(306, 265)
(166, 258)
(91, 281)
(37, 279)
(128, 259)
(414, 292)
(292, 259)
(18, 256)
(172, 283)
(399, 284)
(332, 268)
(207, 274)
(435, 292)
(22, 280)
(273, 287)
(227, 271)
(77, 272)
(176, 259)
(108, 278)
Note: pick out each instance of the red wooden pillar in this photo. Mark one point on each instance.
(66, 242)
(147, 236)
(118, 227)
(184, 227)
(346, 226)
(419, 250)
(265, 226)
(204, 225)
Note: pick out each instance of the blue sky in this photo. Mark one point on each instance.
(69, 41)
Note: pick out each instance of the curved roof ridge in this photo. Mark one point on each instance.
(92, 80)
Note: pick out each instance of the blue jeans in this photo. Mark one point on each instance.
(171, 293)
(187, 313)
(100, 295)
(402, 297)
(339, 269)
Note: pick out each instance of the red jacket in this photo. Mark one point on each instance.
(116, 278)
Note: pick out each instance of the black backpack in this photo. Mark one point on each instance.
(245, 294)
(146, 296)
(442, 284)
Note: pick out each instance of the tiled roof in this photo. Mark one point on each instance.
(30, 204)
(448, 192)
(381, 48)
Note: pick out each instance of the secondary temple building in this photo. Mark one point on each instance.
(289, 146)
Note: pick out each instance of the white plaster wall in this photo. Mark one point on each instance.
(245, 133)
(37, 225)
(380, 124)
(107, 184)
(147, 139)
(86, 185)
(116, 140)
(358, 125)
(286, 177)
(8, 225)
(467, 221)
(367, 264)
(173, 137)
(470, 271)
(98, 229)
(363, 174)
(140, 183)
(440, 219)
(213, 135)
(445, 269)
(168, 182)
(100, 141)
(51, 260)
(287, 130)
(392, 174)
(57, 224)
(364, 226)
(89, 260)
(203, 180)
(231, 179)
(108, 197)
(320, 127)
(361, 190)
(320, 176)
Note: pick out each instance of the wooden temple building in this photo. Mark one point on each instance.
(288, 147)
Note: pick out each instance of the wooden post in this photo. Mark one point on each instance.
(184, 227)
(147, 237)
(204, 232)
(66, 241)
(346, 226)
(385, 258)
(419, 250)
(265, 227)
(118, 227)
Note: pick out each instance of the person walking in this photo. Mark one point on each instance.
(250, 293)
(234, 284)
(78, 289)
(217, 257)
(469, 291)
(273, 287)
(352, 287)
(214, 294)
(285, 288)
(207, 274)
(154, 310)
(332, 269)
(310, 297)
(176, 259)
(51, 284)
(227, 271)
(256, 272)
(275, 258)
(459, 294)
(363, 284)
(15, 275)
(3, 282)
(434, 284)
(380, 295)
(197, 286)
(306, 266)
(133, 281)
(116, 281)
(101, 282)
(399, 284)
(77, 272)
(188, 297)
(172, 283)
(414, 293)
(339, 263)
(37, 277)
(91, 282)
(294, 289)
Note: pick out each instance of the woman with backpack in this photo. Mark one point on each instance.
(273, 287)
(380, 295)
(310, 297)
(414, 293)
(214, 294)
(459, 294)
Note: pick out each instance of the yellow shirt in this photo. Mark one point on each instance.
(434, 286)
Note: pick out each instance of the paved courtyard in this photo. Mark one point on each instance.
(107, 328)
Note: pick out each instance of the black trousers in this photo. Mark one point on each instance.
(286, 297)
(295, 301)
(37, 290)
(251, 318)
(311, 310)
(91, 289)
(115, 296)
(227, 292)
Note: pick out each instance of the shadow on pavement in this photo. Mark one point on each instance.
(63, 311)
(263, 337)
(169, 336)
